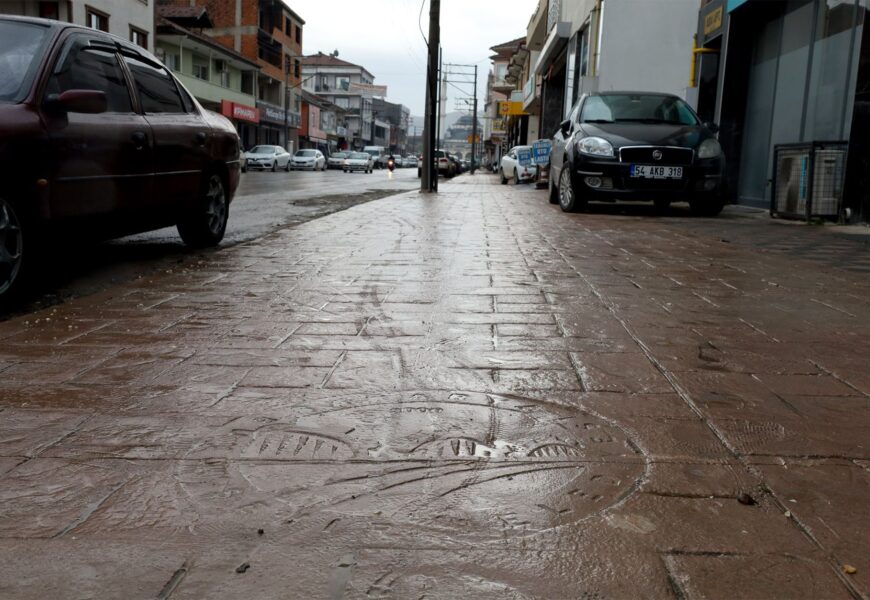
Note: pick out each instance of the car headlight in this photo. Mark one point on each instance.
(709, 148)
(595, 146)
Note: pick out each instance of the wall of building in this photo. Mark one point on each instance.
(647, 45)
(138, 13)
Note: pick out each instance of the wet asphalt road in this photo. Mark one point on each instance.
(264, 202)
(471, 395)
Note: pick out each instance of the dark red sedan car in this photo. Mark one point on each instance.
(98, 139)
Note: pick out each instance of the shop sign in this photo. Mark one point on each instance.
(341, 131)
(713, 21)
(524, 157)
(541, 151)
(510, 109)
(240, 112)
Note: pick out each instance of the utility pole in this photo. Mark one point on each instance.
(474, 126)
(428, 183)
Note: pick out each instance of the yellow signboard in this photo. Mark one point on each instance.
(510, 109)
(713, 21)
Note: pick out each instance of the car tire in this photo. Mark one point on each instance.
(706, 208)
(553, 189)
(206, 224)
(287, 166)
(503, 178)
(569, 199)
(14, 262)
(274, 166)
(516, 177)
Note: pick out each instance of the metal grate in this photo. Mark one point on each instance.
(808, 180)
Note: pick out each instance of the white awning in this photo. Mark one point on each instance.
(555, 42)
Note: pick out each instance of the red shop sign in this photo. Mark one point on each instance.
(240, 111)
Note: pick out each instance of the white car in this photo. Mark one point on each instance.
(410, 161)
(336, 160)
(512, 170)
(309, 160)
(358, 161)
(267, 157)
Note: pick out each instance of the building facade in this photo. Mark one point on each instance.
(347, 86)
(131, 20)
(269, 33)
(788, 72)
(501, 82)
(398, 118)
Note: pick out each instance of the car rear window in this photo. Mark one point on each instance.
(157, 89)
(21, 48)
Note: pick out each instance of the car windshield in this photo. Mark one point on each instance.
(305, 153)
(262, 150)
(20, 49)
(373, 152)
(637, 108)
(360, 156)
(339, 155)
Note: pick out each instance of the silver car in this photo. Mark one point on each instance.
(308, 159)
(269, 158)
(336, 160)
(358, 161)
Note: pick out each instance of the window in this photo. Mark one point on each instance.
(87, 68)
(157, 90)
(21, 46)
(296, 68)
(342, 102)
(139, 37)
(49, 10)
(298, 34)
(96, 19)
(342, 83)
(288, 26)
(248, 82)
(200, 71)
(173, 61)
(220, 66)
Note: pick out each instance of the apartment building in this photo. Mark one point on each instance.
(132, 19)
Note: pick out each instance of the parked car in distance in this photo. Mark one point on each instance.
(441, 162)
(336, 160)
(308, 159)
(637, 146)
(511, 169)
(99, 140)
(358, 161)
(268, 158)
(411, 161)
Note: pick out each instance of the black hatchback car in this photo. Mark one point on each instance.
(98, 140)
(636, 146)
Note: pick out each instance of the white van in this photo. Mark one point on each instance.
(379, 155)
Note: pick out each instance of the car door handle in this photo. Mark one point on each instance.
(139, 139)
(201, 137)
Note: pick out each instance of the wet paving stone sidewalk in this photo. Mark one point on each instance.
(468, 395)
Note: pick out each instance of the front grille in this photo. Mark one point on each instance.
(644, 156)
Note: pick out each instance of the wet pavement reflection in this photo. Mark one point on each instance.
(468, 395)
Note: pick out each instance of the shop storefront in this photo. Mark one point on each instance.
(245, 118)
(791, 71)
(272, 126)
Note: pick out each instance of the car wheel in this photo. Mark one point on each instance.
(706, 208)
(274, 166)
(516, 177)
(207, 222)
(662, 205)
(503, 178)
(569, 200)
(11, 253)
(553, 189)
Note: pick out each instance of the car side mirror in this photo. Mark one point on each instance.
(78, 101)
(713, 127)
(566, 126)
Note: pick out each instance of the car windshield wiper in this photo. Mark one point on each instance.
(598, 121)
(651, 121)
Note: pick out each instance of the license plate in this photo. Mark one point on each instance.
(656, 172)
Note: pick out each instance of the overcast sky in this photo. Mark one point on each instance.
(384, 37)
